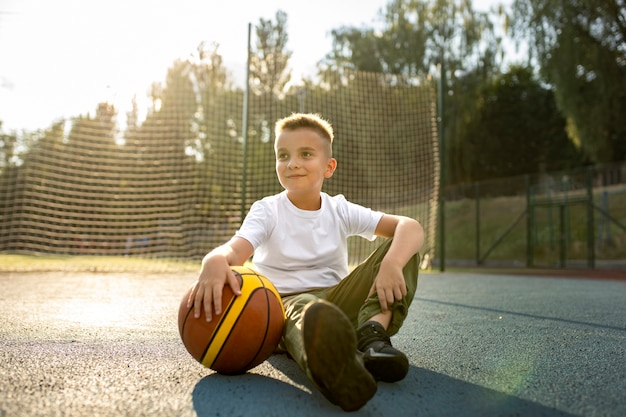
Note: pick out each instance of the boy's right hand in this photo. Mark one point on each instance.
(215, 273)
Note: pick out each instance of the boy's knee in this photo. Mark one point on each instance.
(298, 301)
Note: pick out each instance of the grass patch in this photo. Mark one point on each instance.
(497, 215)
(51, 263)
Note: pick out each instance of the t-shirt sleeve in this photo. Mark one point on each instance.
(257, 225)
(361, 221)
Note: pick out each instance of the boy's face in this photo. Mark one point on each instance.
(303, 161)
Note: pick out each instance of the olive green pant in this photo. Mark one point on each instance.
(351, 296)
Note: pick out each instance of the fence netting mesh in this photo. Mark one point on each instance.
(177, 183)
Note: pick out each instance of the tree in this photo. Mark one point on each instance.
(269, 73)
(354, 48)
(580, 48)
(516, 129)
(418, 35)
(185, 103)
(415, 36)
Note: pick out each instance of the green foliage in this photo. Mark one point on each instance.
(415, 36)
(579, 45)
(516, 129)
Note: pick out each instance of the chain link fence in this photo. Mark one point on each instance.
(566, 219)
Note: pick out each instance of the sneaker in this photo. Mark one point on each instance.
(384, 362)
(335, 364)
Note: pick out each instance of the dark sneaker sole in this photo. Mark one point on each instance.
(331, 350)
(386, 367)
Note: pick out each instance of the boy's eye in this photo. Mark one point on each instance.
(306, 154)
(282, 156)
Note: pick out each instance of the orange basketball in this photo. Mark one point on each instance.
(246, 332)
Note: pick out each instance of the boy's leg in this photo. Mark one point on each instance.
(384, 361)
(292, 333)
(321, 339)
(351, 294)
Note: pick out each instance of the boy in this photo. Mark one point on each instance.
(337, 324)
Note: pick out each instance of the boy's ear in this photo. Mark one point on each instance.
(330, 168)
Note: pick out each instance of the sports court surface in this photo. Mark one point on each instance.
(479, 344)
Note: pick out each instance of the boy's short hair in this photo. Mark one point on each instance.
(311, 121)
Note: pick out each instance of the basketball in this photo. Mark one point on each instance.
(246, 332)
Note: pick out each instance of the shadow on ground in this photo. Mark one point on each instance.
(421, 393)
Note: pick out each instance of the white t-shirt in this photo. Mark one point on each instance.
(300, 250)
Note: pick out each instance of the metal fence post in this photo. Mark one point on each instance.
(591, 245)
(477, 197)
(442, 167)
(530, 213)
(563, 232)
(246, 95)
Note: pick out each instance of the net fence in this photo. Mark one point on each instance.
(178, 183)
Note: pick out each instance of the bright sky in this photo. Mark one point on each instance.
(60, 58)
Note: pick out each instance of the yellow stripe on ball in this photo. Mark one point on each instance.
(229, 318)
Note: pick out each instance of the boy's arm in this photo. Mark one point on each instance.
(408, 238)
(215, 273)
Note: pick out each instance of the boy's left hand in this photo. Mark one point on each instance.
(389, 285)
